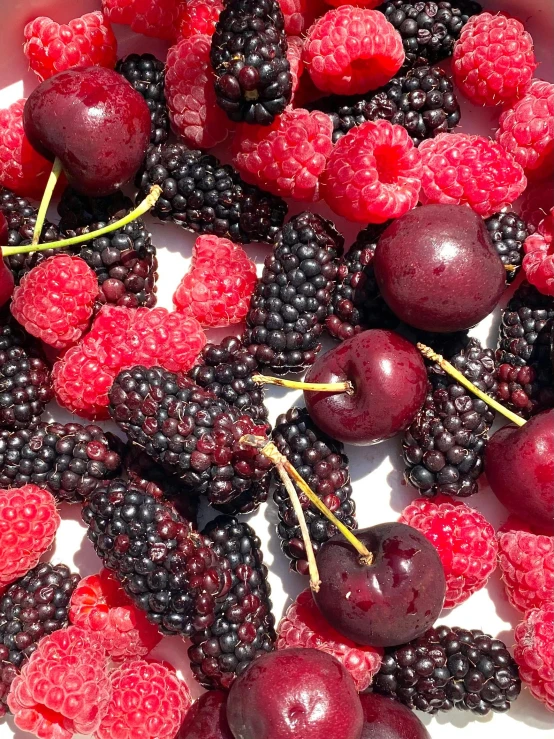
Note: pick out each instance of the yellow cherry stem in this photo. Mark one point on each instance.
(46, 198)
(323, 387)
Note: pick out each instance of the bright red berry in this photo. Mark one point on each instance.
(22, 168)
(526, 561)
(373, 173)
(294, 55)
(534, 652)
(157, 18)
(199, 17)
(300, 14)
(538, 262)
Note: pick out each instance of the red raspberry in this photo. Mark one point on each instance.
(22, 169)
(493, 60)
(288, 157)
(28, 524)
(157, 18)
(218, 287)
(527, 564)
(464, 539)
(459, 168)
(300, 14)
(148, 700)
(55, 300)
(526, 130)
(538, 262)
(87, 41)
(352, 50)
(64, 688)
(118, 339)
(190, 93)
(199, 17)
(304, 626)
(294, 55)
(537, 201)
(373, 173)
(99, 604)
(534, 653)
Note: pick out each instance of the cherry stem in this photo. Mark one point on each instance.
(142, 208)
(46, 198)
(324, 387)
(428, 353)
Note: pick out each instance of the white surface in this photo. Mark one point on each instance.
(376, 471)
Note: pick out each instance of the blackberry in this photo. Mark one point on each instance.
(450, 668)
(508, 232)
(32, 607)
(291, 300)
(321, 462)
(78, 211)
(147, 76)
(249, 57)
(207, 197)
(243, 625)
(69, 460)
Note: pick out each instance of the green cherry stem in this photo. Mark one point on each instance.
(323, 387)
(46, 198)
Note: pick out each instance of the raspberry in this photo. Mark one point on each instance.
(534, 653)
(157, 18)
(99, 604)
(303, 626)
(526, 130)
(119, 338)
(190, 94)
(22, 169)
(464, 539)
(352, 50)
(373, 173)
(28, 525)
(294, 55)
(527, 565)
(493, 60)
(199, 17)
(538, 262)
(459, 168)
(148, 700)
(64, 688)
(300, 14)
(55, 299)
(87, 41)
(536, 202)
(219, 285)
(287, 157)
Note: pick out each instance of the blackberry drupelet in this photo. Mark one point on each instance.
(321, 462)
(243, 626)
(508, 232)
(78, 211)
(291, 300)
(249, 57)
(450, 668)
(146, 73)
(207, 197)
(32, 607)
(476, 363)
(68, 460)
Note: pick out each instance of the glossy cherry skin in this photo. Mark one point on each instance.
(519, 462)
(6, 277)
(293, 694)
(389, 602)
(207, 719)
(437, 268)
(385, 718)
(95, 122)
(389, 379)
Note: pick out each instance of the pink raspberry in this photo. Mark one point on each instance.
(493, 60)
(464, 539)
(461, 169)
(22, 169)
(534, 652)
(352, 50)
(538, 262)
(190, 93)
(373, 173)
(87, 41)
(199, 17)
(28, 524)
(526, 561)
(64, 688)
(300, 14)
(294, 55)
(99, 604)
(303, 626)
(157, 18)
(148, 700)
(218, 287)
(526, 130)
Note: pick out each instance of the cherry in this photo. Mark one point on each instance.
(94, 122)
(6, 277)
(207, 719)
(295, 693)
(391, 601)
(519, 462)
(389, 382)
(437, 269)
(385, 718)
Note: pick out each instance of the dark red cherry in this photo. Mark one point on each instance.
(385, 718)
(207, 719)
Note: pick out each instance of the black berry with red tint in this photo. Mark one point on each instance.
(146, 73)
(508, 232)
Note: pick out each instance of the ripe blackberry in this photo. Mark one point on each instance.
(69, 460)
(321, 462)
(508, 232)
(249, 57)
(33, 606)
(77, 210)
(291, 300)
(147, 76)
(205, 196)
(450, 668)
(243, 627)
